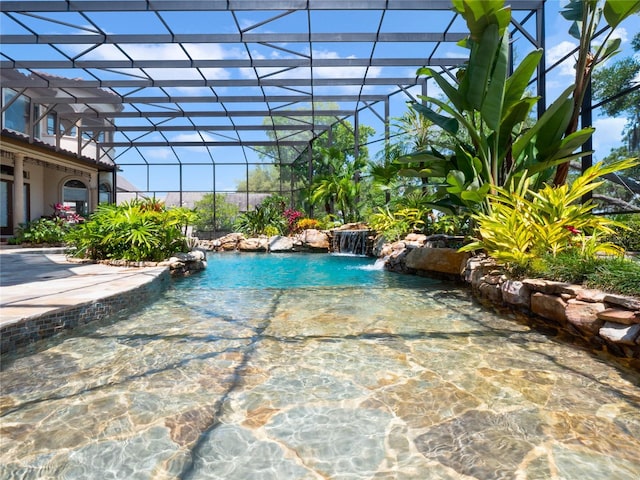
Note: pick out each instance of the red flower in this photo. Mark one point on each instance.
(573, 229)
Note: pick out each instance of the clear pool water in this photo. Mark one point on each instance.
(315, 367)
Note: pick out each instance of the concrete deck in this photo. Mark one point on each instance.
(40, 284)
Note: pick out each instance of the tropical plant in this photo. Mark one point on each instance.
(492, 109)
(396, 225)
(525, 224)
(266, 218)
(308, 223)
(43, 230)
(586, 16)
(337, 187)
(140, 230)
(627, 235)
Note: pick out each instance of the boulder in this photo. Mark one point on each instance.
(442, 260)
(315, 239)
(584, 316)
(416, 239)
(490, 292)
(549, 307)
(630, 303)
(625, 317)
(280, 244)
(253, 244)
(516, 293)
(619, 333)
(229, 242)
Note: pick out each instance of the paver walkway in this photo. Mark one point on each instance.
(35, 282)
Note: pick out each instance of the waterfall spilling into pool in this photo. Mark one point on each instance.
(353, 242)
(315, 366)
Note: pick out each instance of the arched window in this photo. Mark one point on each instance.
(75, 195)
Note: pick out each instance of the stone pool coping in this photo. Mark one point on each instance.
(44, 293)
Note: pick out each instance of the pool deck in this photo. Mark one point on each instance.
(41, 287)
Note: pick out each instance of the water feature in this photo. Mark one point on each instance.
(354, 242)
(315, 367)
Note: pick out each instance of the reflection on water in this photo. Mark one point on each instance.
(221, 381)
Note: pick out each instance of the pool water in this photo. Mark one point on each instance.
(315, 367)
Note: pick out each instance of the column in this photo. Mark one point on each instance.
(18, 191)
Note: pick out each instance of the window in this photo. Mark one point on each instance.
(16, 117)
(104, 193)
(51, 123)
(75, 195)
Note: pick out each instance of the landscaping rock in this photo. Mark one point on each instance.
(584, 316)
(490, 292)
(315, 239)
(416, 239)
(516, 293)
(548, 306)
(619, 333)
(625, 317)
(589, 295)
(442, 260)
(629, 303)
(280, 244)
(253, 245)
(545, 286)
(229, 242)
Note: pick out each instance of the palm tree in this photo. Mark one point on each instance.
(337, 183)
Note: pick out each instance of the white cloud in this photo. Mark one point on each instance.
(608, 135)
(558, 51)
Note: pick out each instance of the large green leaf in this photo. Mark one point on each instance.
(446, 123)
(571, 143)
(615, 11)
(523, 141)
(450, 92)
(494, 99)
(519, 79)
(554, 127)
(479, 14)
(483, 54)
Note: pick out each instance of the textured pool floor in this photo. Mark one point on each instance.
(316, 383)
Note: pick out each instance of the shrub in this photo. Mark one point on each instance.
(396, 225)
(43, 230)
(612, 274)
(293, 217)
(308, 223)
(627, 235)
(139, 230)
(524, 225)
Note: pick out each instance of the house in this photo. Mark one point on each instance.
(50, 152)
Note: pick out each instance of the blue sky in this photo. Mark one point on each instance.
(202, 177)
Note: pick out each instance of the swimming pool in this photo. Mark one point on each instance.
(315, 367)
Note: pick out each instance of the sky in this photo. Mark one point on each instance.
(225, 177)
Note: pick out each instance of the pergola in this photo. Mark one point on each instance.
(204, 84)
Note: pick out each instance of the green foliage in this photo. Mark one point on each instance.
(396, 225)
(617, 275)
(213, 212)
(140, 230)
(450, 225)
(491, 109)
(525, 225)
(43, 230)
(611, 274)
(337, 186)
(261, 179)
(266, 219)
(627, 234)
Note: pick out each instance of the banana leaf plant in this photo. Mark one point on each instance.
(488, 115)
(586, 16)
